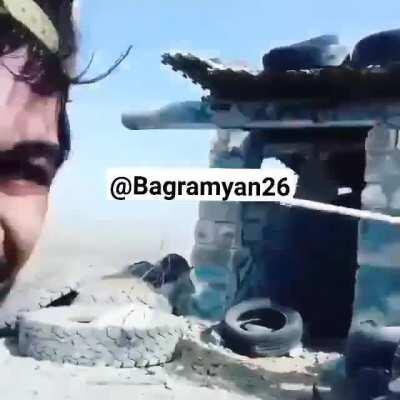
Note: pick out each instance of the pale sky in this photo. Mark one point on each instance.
(83, 227)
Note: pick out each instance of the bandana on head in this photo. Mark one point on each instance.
(29, 14)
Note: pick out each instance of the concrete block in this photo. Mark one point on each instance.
(255, 211)
(373, 197)
(211, 255)
(374, 167)
(226, 162)
(392, 166)
(381, 139)
(395, 200)
(237, 138)
(220, 211)
(218, 234)
(378, 246)
(205, 232)
(252, 232)
(228, 235)
(228, 143)
(271, 213)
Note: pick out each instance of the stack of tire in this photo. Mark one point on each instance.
(381, 49)
(119, 336)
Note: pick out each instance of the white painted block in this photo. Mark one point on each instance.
(395, 200)
(381, 139)
(205, 232)
(375, 167)
(373, 197)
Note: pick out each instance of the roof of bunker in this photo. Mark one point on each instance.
(342, 83)
(318, 68)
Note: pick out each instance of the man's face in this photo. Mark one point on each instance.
(29, 149)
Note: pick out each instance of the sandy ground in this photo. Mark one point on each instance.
(197, 372)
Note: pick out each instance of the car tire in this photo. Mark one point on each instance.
(118, 336)
(371, 346)
(27, 297)
(381, 49)
(319, 52)
(259, 328)
(114, 291)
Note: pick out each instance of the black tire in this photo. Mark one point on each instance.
(319, 52)
(370, 346)
(381, 49)
(277, 330)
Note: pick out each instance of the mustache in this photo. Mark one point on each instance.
(23, 169)
(20, 162)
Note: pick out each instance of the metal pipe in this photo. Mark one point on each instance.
(340, 210)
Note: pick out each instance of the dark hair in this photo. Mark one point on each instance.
(45, 71)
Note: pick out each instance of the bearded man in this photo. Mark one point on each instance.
(37, 44)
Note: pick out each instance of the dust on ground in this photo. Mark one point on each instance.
(199, 370)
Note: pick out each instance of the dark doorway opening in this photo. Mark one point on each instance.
(307, 259)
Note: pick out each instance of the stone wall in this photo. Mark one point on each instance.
(375, 329)
(264, 249)
(378, 279)
(218, 255)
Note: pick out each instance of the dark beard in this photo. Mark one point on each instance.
(6, 285)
